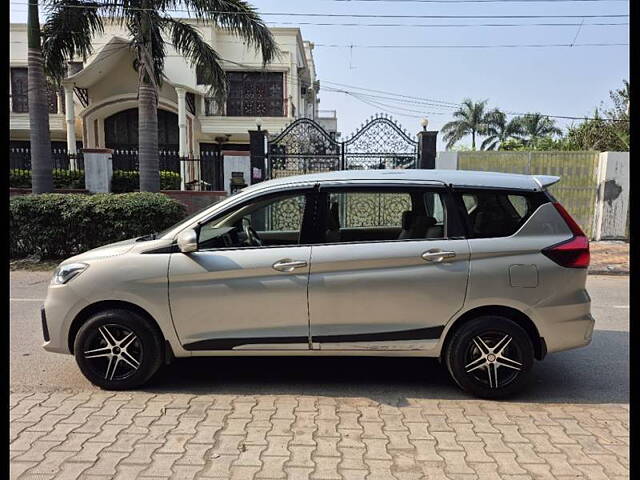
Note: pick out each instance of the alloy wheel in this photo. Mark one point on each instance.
(493, 359)
(114, 352)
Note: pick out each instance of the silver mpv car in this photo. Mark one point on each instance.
(485, 271)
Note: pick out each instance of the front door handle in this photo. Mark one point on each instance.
(288, 265)
(435, 255)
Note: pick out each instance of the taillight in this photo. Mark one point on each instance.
(572, 253)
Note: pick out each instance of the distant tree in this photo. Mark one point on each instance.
(535, 127)
(606, 131)
(470, 119)
(599, 134)
(500, 130)
(40, 139)
(72, 24)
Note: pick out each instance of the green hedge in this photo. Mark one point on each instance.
(58, 225)
(20, 178)
(123, 180)
(129, 181)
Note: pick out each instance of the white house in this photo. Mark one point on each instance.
(97, 107)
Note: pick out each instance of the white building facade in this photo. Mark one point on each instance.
(97, 106)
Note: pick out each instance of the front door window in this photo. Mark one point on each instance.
(265, 222)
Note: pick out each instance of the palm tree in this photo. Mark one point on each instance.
(41, 164)
(470, 119)
(499, 130)
(536, 126)
(72, 24)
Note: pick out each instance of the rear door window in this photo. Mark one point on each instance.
(372, 215)
(495, 214)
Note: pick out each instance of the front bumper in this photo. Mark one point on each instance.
(45, 329)
(61, 307)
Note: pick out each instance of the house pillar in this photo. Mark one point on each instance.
(182, 127)
(427, 149)
(257, 150)
(70, 119)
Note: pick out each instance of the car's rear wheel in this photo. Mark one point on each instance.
(118, 349)
(490, 357)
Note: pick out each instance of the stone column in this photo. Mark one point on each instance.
(427, 149)
(182, 126)
(70, 119)
(257, 150)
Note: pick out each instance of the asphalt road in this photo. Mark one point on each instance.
(598, 373)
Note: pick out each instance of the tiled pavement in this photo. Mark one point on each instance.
(105, 435)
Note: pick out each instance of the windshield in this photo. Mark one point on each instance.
(185, 219)
(199, 212)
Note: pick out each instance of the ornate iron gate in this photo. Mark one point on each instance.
(305, 147)
(380, 143)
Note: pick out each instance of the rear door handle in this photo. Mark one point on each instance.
(288, 265)
(436, 255)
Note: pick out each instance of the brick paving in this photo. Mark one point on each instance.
(106, 435)
(609, 257)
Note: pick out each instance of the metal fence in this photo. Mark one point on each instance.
(578, 172)
(199, 174)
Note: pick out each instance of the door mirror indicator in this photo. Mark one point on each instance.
(188, 241)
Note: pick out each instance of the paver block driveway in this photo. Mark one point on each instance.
(105, 435)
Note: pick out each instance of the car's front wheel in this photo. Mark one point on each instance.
(118, 349)
(490, 357)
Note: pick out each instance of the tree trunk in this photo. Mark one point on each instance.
(148, 138)
(473, 140)
(41, 163)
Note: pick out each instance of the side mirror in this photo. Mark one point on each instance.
(188, 241)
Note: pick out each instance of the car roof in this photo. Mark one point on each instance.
(455, 178)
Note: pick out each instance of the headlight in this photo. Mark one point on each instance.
(64, 273)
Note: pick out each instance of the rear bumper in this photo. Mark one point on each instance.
(571, 334)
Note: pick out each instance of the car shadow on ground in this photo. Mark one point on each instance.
(598, 373)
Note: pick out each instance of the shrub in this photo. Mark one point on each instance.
(129, 181)
(123, 180)
(20, 178)
(56, 225)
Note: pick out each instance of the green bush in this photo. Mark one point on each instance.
(129, 181)
(123, 181)
(64, 179)
(58, 225)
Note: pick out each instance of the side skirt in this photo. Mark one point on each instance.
(366, 341)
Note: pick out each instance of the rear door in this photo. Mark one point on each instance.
(368, 291)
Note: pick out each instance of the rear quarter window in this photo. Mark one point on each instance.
(491, 214)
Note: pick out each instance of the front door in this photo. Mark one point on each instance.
(246, 286)
(387, 276)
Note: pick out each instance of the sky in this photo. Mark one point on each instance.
(563, 81)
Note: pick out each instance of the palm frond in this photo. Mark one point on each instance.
(68, 33)
(188, 41)
(237, 16)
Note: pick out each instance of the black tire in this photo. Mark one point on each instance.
(470, 367)
(111, 372)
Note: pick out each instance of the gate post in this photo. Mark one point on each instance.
(427, 148)
(257, 150)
